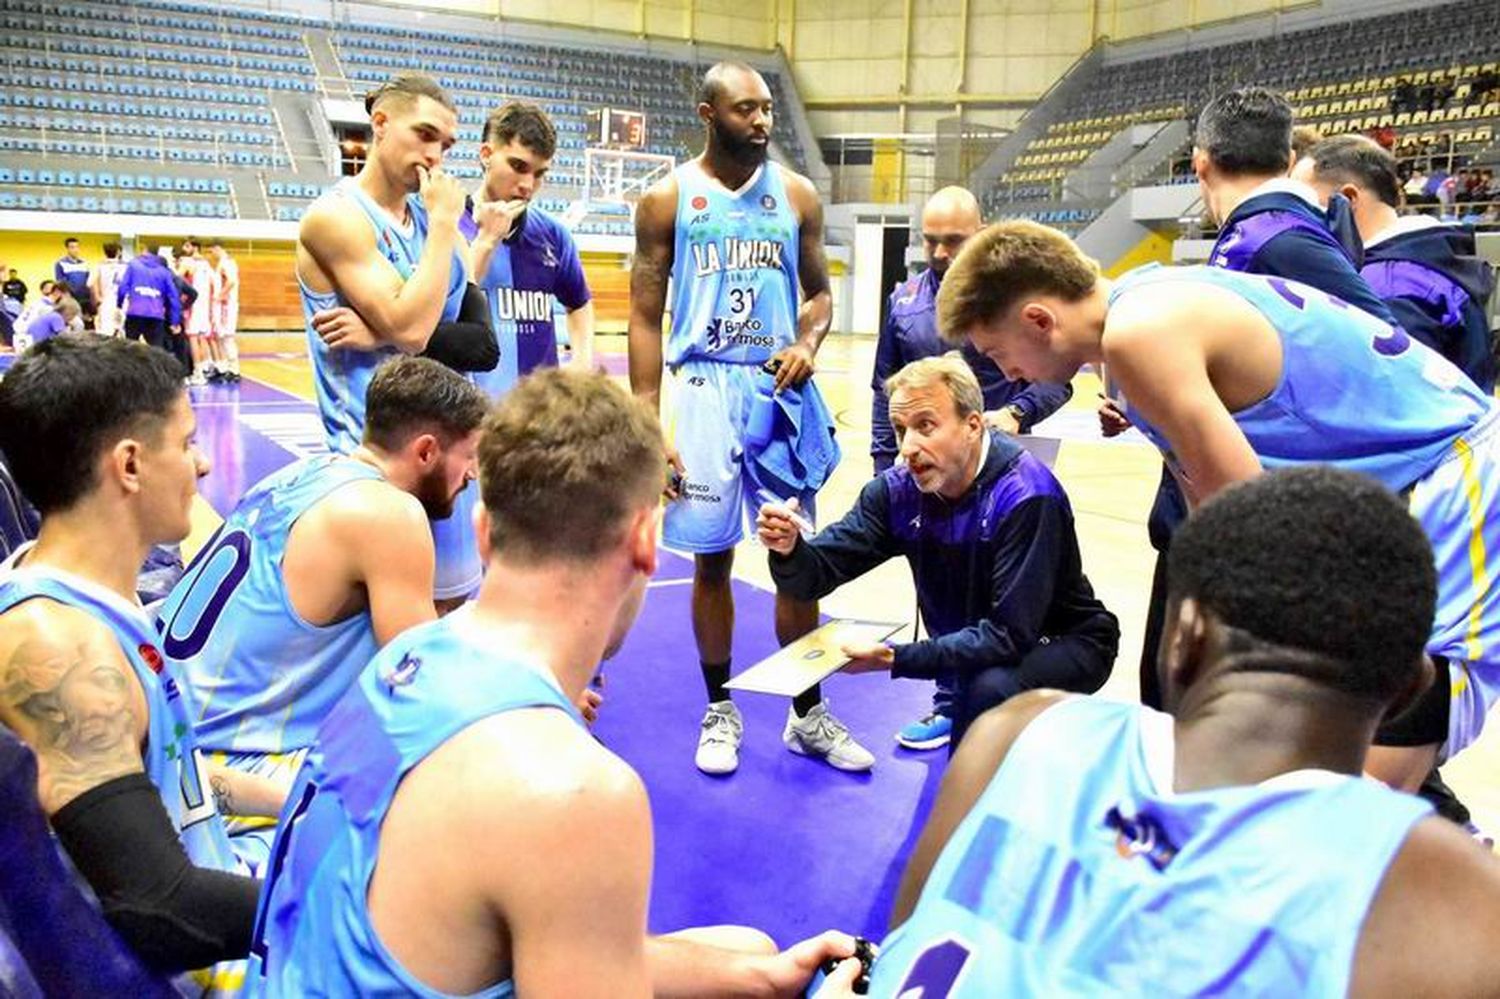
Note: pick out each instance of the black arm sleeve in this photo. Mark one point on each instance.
(468, 343)
(175, 916)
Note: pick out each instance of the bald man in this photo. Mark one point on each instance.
(910, 333)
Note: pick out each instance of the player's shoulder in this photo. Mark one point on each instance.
(327, 219)
(43, 629)
(362, 506)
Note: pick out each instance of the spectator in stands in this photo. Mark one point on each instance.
(1428, 271)
(1403, 97)
(1385, 135)
(104, 286)
(1272, 224)
(73, 270)
(910, 333)
(148, 296)
(14, 288)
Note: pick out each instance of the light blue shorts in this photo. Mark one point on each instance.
(721, 494)
(1458, 505)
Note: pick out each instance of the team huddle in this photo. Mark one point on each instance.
(349, 753)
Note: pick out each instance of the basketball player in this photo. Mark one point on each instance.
(104, 285)
(515, 851)
(1228, 372)
(224, 314)
(1081, 847)
(523, 258)
(72, 271)
(319, 565)
(395, 277)
(197, 317)
(99, 436)
(738, 236)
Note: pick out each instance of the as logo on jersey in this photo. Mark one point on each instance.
(403, 673)
(737, 255)
(1141, 836)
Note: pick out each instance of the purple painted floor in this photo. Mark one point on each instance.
(787, 844)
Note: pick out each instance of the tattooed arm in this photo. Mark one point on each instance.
(67, 691)
(242, 794)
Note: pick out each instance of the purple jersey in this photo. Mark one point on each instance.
(532, 271)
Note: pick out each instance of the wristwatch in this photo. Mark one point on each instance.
(1019, 412)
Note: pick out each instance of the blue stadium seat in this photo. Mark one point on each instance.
(7, 175)
(67, 178)
(200, 185)
(86, 178)
(46, 177)
(90, 203)
(187, 209)
(182, 184)
(220, 185)
(68, 203)
(30, 202)
(9, 200)
(163, 183)
(149, 207)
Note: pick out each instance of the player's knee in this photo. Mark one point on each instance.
(714, 568)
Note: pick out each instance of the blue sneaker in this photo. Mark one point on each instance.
(930, 732)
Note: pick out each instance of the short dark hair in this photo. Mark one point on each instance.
(1354, 159)
(1246, 131)
(70, 398)
(70, 239)
(417, 395)
(406, 88)
(111, 250)
(1321, 572)
(712, 87)
(567, 440)
(526, 122)
(192, 240)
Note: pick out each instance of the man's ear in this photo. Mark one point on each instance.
(1038, 320)
(426, 449)
(123, 464)
(1184, 652)
(641, 538)
(482, 531)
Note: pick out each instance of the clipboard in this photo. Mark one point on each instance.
(811, 659)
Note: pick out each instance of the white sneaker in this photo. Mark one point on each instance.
(719, 742)
(821, 734)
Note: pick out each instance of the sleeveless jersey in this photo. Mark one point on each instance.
(342, 376)
(734, 268)
(313, 932)
(1354, 391)
(1079, 872)
(263, 678)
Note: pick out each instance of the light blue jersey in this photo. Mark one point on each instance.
(1080, 872)
(734, 269)
(313, 932)
(262, 676)
(1355, 391)
(1363, 395)
(341, 377)
(170, 754)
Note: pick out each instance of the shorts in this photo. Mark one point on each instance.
(224, 317)
(721, 493)
(195, 322)
(1458, 505)
(459, 571)
(250, 837)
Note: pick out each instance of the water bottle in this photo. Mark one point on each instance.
(762, 419)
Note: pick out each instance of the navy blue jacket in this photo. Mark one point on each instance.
(1440, 290)
(1283, 235)
(910, 334)
(995, 571)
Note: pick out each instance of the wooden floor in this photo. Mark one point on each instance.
(1110, 483)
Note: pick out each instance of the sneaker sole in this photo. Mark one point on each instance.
(716, 773)
(797, 748)
(937, 743)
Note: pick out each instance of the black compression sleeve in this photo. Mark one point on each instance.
(468, 343)
(175, 916)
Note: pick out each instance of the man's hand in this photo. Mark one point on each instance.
(675, 472)
(496, 218)
(589, 701)
(871, 657)
(442, 196)
(840, 984)
(342, 328)
(778, 527)
(788, 972)
(795, 365)
(1112, 421)
(1002, 420)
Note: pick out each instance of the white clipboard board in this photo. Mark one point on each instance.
(811, 659)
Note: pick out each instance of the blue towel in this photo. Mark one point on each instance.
(801, 454)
